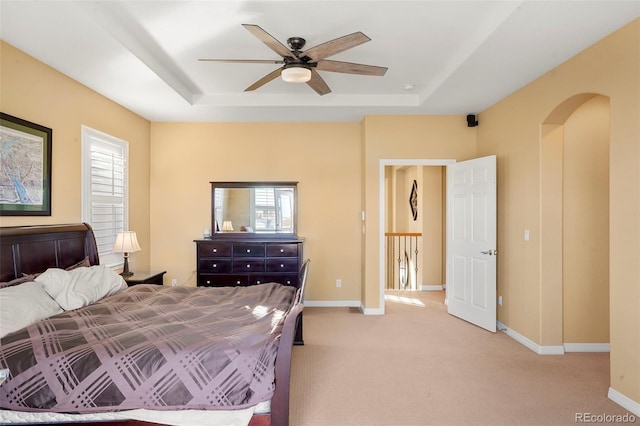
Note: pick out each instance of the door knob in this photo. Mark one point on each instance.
(490, 252)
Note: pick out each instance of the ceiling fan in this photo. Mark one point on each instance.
(301, 66)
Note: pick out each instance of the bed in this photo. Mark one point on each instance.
(138, 355)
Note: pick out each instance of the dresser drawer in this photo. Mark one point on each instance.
(282, 250)
(216, 266)
(248, 250)
(214, 250)
(214, 280)
(286, 279)
(282, 265)
(248, 265)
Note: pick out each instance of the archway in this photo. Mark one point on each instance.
(574, 223)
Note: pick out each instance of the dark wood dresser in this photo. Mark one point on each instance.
(243, 262)
(228, 262)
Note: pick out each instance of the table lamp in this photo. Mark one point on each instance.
(126, 242)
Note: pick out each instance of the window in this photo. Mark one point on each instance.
(104, 190)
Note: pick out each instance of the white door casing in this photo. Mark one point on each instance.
(471, 241)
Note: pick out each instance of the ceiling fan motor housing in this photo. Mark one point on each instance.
(296, 43)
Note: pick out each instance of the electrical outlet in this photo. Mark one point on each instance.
(500, 300)
(174, 282)
(338, 283)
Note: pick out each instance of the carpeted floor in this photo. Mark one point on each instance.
(418, 365)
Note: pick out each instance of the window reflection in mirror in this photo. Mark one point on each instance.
(255, 209)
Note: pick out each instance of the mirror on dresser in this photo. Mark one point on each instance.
(253, 209)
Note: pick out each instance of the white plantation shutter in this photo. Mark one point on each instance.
(265, 209)
(104, 164)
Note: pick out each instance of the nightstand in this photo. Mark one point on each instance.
(144, 277)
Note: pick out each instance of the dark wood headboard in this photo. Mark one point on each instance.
(33, 249)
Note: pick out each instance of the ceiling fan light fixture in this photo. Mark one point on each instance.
(296, 74)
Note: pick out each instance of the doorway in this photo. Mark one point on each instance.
(414, 227)
(385, 164)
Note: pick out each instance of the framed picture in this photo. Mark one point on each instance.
(413, 200)
(25, 167)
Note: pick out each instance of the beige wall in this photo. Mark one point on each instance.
(512, 129)
(35, 92)
(323, 158)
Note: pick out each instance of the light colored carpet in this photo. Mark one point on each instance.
(418, 365)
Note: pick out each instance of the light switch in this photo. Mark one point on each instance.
(526, 235)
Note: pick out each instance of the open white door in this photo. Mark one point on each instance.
(471, 241)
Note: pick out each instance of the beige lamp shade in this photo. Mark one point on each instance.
(126, 242)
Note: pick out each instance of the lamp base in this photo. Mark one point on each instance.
(125, 270)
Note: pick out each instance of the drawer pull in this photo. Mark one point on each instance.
(282, 265)
(215, 265)
(248, 250)
(215, 250)
(238, 282)
(288, 281)
(208, 282)
(281, 250)
(258, 282)
(248, 265)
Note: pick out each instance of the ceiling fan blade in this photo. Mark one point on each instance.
(335, 46)
(244, 61)
(318, 84)
(350, 68)
(264, 80)
(268, 39)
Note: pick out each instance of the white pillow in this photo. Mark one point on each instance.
(24, 304)
(81, 286)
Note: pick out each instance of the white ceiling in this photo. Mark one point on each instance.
(460, 56)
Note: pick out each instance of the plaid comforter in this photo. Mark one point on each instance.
(150, 347)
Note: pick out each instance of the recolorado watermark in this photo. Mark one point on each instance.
(605, 418)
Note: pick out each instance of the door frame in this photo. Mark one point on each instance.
(383, 163)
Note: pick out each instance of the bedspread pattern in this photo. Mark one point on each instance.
(150, 347)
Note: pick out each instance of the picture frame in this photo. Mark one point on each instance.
(413, 200)
(25, 167)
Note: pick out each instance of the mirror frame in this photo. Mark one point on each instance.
(254, 235)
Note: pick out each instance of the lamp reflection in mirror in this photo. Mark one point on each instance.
(126, 242)
(227, 225)
(296, 74)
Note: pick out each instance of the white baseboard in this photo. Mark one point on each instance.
(539, 349)
(332, 303)
(436, 287)
(587, 347)
(624, 401)
(553, 350)
(371, 311)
